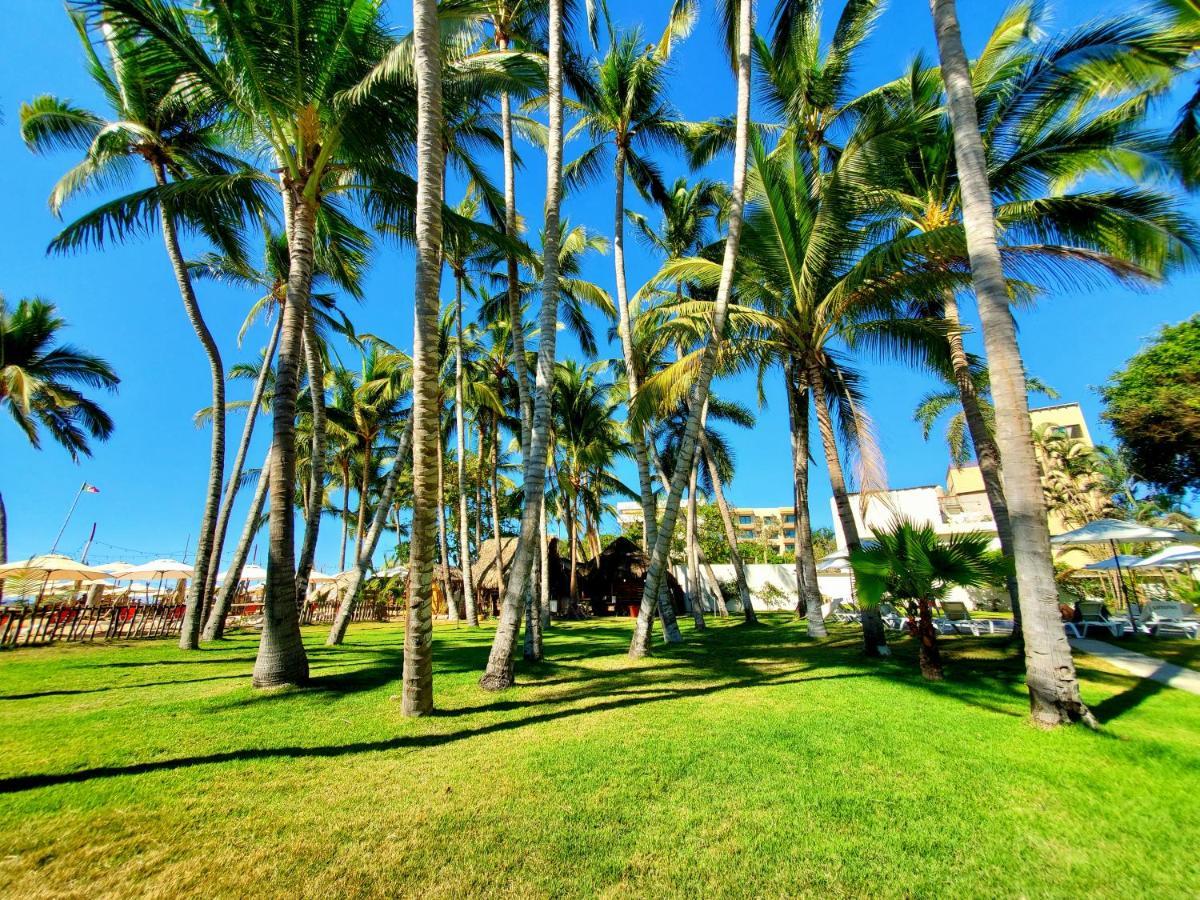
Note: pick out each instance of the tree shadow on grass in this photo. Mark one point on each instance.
(409, 742)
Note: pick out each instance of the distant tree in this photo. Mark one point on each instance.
(38, 378)
(1153, 404)
(824, 542)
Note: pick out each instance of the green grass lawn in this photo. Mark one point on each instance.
(746, 762)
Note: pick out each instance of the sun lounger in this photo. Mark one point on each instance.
(892, 617)
(844, 611)
(1171, 618)
(1093, 616)
(957, 619)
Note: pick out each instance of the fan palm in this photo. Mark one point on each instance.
(911, 564)
(39, 380)
(197, 187)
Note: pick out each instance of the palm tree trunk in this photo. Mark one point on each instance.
(316, 481)
(739, 566)
(718, 598)
(189, 634)
(537, 598)
(1049, 670)
(641, 453)
(806, 563)
(214, 626)
(499, 672)
(337, 633)
(464, 526)
(544, 610)
(640, 645)
(364, 491)
(239, 462)
(513, 290)
(494, 499)
(929, 656)
(345, 516)
(443, 546)
(3, 540)
(281, 658)
(986, 452)
(693, 558)
(418, 636)
(874, 640)
(573, 548)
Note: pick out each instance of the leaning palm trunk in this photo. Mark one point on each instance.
(1054, 696)
(641, 452)
(640, 644)
(239, 462)
(499, 672)
(739, 565)
(512, 289)
(417, 698)
(874, 641)
(189, 634)
(986, 453)
(214, 625)
(806, 563)
(693, 558)
(443, 547)
(464, 525)
(281, 658)
(544, 573)
(316, 481)
(337, 633)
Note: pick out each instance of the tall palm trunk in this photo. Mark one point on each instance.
(281, 658)
(189, 634)
(640, 645)
(512, 288)
(739, 566)
(214, 625)
(460, 433)
(364, 491)
(1054, 696)
(239, 463)
(693, 558)
(874, 640)
(573, 549)
(337, 633)
(418, 636)
(641, 452)
(494, 500)
(345, 515)
(316, 480)
(3, 540)
(499, 672)
(537, 597)
(544, 538)
(986, 452)
(806, 563)
(443, 545)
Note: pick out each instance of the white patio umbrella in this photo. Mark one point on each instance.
(116, 570)
(1110, 531)
(315, 577)
(51, 567)
(159, 568)
(1126, 560)
(838, 559)
(250, 572)
(1168, 557)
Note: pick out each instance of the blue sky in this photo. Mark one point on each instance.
(122, 304)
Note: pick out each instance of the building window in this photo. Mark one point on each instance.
(790, 518)
(1068, 431)
(745, 520)
(790, 534)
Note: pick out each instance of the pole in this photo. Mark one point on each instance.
(1121, 578)
(88, 545)
(70, 512)
(186, 544)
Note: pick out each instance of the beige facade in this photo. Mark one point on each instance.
(777, 522)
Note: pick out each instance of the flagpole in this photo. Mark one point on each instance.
(70, 512)
(88, 545)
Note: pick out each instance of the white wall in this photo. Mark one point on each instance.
(758, 576)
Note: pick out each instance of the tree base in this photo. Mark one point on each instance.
(497, 681)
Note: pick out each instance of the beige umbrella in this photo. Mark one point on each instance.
(159, 568)
(316, 577)
(250, 572)
(51, 568)
(115, 570)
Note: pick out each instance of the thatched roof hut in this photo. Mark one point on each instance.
(613, 582)
(490, 570)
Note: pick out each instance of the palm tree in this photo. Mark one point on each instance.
(197, 187)
(1040, 133)
(1049, 669)
(499, 671)
(38, 385)
(623, 105)
(910, 564)
(417, 698)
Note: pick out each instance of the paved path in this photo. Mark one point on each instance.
(1141, 665)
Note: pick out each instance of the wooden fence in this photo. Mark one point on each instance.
(24, 626)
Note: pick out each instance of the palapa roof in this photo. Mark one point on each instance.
(484, 569)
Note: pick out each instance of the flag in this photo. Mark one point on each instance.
(90, 488)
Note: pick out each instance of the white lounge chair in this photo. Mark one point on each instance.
(845, 611)
(957, 619)
(1092, 615)
(892, 617)
(1169, 617)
